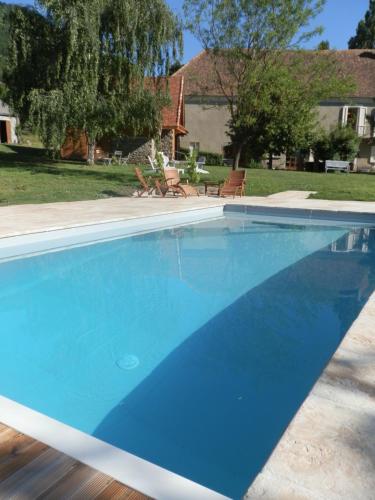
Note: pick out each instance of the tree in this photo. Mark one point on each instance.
(82, 66)
(339, 143)
(365, 36)
(251, 44)
(175, 67)
(5, 10)
(323, 45)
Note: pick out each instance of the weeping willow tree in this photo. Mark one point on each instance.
(81, 65)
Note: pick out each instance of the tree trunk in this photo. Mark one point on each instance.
(237, 158)
(91, 151)
(270, 161)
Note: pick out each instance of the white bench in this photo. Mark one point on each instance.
(341, 166)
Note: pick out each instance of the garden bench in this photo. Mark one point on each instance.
(341, 166)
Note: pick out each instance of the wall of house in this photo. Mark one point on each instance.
(11, 127)
(363, 160)
(206, 120)
(330, 115)
(330, 112)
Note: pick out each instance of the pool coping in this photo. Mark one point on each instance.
(121, 467)
(51, 239)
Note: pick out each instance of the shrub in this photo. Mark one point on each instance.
(345, 143)
(340, 143)
(191, 171)
(254, 164)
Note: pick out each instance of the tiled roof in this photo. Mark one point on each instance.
(173, 115)
(358, 64)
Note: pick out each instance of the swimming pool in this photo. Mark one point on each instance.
(191, 347)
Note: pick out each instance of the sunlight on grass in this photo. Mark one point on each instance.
(27, 176)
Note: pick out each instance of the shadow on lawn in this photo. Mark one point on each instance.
(35, 161)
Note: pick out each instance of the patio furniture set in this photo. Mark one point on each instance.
(234, 185)
(116, 158)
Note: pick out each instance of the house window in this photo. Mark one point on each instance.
(355, 117)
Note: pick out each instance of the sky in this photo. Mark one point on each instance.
(339, 20)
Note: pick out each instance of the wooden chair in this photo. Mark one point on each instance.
(173, 184)
(145, 186)
(234, 184)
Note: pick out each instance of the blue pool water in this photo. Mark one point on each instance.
(192, 347)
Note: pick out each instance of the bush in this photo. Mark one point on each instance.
(345, 143)
(341, 143)
(254, 164)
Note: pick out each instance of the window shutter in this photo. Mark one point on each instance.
(361, 121)
(372, 155)
(344, 115)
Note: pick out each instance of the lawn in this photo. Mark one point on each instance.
(26, 176)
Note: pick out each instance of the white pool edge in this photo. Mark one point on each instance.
(129, 469)
(61, 239)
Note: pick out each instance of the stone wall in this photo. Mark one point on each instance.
(167, 143)
(139, 148)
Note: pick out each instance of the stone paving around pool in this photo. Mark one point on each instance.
(328, 451)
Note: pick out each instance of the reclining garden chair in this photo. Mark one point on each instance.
(145, 184)
(173, 184)
(234, 184)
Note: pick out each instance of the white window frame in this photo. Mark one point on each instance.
(361, 118)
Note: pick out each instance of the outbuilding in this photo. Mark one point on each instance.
(8, 123)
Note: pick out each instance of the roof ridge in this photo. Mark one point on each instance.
(189, 62)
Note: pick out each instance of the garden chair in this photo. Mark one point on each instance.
(117, 156)
(173, 184)
(124, 160)
(200, 164)
(154, 168)
(234, 184)
(145, 184)
(200, 170)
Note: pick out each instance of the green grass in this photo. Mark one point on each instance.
(26, 176)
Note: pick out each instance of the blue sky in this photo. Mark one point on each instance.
(339, 19)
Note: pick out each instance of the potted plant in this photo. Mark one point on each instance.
(191, 170)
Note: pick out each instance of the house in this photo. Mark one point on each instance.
(207, 116)
(8, 123)
(138, 148)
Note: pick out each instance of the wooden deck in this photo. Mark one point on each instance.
(32, 470)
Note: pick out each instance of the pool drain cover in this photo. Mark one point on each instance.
(128, 362)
